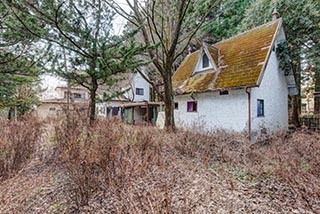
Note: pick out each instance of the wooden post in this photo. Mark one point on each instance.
(132, 115)
(15, 114)
(147, 112)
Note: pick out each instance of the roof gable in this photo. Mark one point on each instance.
(240, 60)
(211, 63)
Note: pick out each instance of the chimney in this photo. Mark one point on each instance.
(275, 14)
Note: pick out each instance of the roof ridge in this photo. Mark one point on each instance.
(249, 31)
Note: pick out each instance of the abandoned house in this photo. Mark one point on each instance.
(235, 84)
(133, 106)
(78, 99)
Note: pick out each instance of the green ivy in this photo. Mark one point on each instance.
(284, 59)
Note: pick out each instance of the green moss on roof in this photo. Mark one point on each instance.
(244, 56)
(242, 61)
(186, 68)
(214, 52)
(199, 82)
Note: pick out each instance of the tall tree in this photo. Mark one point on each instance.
(83, 30)
(225, 20)
(170, 25)
(301, 21)
(19, 83)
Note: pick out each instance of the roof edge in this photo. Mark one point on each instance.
(248, 31)
(219, 89)
(269, 52)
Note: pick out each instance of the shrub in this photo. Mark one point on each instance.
(107, 154)
(18, 142)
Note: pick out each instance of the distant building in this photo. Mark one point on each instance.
(133, 106)
(53, 107)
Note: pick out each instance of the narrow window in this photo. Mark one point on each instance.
(176, 105)
(205, 60)
(77, 96)
(225, 92)
(260, 109)
(139, 91)
(192, 106)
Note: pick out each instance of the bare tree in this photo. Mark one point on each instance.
(170, 25)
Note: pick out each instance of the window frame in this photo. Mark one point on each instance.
(176, 105)
(76, 95)
(204, 56)
(260, 104)
(194, 107)
(140, 91)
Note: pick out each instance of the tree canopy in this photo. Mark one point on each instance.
(78, 36)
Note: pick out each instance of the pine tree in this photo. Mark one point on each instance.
(83, 30)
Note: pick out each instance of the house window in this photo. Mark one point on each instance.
(52, 109)
(139, 91)
(176, 105)
(205, 61)
(192, 106)
(76, 95)
(260, 109)
(225, 92)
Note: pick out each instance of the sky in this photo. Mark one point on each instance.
(50, 82)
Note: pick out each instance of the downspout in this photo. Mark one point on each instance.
(249, 112)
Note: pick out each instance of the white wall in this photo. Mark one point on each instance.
(140, 82)
(215, 111)
(273, 90)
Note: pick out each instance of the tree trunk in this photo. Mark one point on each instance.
(169, 104)
(296, 99)
(15, 114)
(317, 94)
(92, 107)
(295, 112)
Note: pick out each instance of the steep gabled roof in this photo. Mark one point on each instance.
(241, 61)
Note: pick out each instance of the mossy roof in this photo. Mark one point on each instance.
(241, 62)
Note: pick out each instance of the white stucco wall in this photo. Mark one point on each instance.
(273, 90)
(214, 111)
(138, 82)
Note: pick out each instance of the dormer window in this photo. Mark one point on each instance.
(205, 61)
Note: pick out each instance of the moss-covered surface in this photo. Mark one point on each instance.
(241, 59)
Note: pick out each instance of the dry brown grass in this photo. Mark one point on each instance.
(18, 141)
(145, 170)
(111, 167)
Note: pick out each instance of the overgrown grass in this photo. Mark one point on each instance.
(18, 142)
(111, 157)
(107, 154)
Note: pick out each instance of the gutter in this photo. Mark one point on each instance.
(249, 112)
(215, 90)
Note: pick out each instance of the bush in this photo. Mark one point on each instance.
(145, 169)
(18, 142)
(107, 154)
